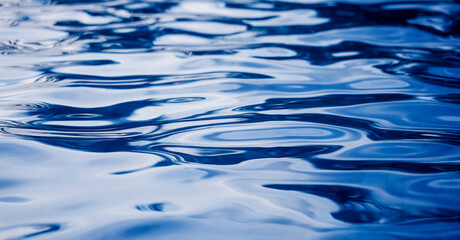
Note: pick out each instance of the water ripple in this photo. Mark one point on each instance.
(260, 119)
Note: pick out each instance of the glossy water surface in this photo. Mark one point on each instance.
(229, 119)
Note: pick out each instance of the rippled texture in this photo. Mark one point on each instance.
(257, 119)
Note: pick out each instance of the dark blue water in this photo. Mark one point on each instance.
(232, 119)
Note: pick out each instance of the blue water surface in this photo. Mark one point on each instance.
(229, 119)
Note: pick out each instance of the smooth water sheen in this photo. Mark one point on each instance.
(229, 119)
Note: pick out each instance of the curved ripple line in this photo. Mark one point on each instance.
(28, 231)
